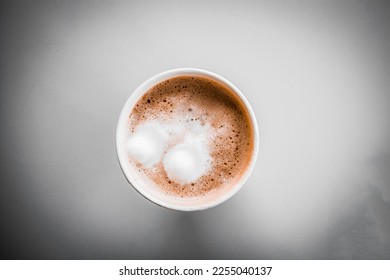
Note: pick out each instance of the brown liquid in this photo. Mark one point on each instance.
(205, 100)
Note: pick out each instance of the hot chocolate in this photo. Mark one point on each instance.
(190, 135)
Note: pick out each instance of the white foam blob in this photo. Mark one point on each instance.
(146, 145)
(185, 163)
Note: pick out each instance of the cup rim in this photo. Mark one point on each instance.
(142, 89)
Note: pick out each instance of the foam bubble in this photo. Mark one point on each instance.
(146, 145)
(185, 163)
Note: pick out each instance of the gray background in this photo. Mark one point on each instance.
(316, 73)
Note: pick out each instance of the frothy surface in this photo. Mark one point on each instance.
(146, 145)
(185, 163)
(209, 135)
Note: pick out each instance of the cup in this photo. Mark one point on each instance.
(146, 187)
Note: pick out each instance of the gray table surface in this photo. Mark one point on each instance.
(315, 72)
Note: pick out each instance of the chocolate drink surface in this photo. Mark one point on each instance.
(190, 135)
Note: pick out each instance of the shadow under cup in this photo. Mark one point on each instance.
(146, 186)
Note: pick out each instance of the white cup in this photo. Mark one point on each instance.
(148, 188)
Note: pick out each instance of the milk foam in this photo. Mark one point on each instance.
(147, 145)
(184, 161)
